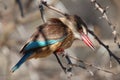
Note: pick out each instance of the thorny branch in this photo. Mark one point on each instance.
(104, 15)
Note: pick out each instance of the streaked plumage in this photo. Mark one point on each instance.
(54, 34)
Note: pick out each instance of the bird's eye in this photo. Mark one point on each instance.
(80, 30)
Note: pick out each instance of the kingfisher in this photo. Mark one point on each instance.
(55, 35)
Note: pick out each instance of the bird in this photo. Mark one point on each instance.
(55, 35)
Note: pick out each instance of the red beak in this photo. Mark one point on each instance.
(87, 41)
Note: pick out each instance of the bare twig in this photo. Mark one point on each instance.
(87, 64)
(104, 15)
(2, 2)
(105, 46)
(20, 7)
(42, 13)
(64, 68)
(52, 8)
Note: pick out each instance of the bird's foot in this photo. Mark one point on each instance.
(60, 51)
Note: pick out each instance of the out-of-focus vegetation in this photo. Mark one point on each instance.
(15, 30)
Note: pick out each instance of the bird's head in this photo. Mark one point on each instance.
(79, 28)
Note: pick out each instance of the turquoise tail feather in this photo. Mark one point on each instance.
(21, 61)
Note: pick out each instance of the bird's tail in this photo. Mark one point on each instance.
(21, 61)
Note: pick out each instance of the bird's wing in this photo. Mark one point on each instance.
(47, 34)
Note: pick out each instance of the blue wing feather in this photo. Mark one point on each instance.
(37, 44)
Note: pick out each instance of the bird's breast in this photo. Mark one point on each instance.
(68, 41)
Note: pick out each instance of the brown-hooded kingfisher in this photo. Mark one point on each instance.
(53, 36)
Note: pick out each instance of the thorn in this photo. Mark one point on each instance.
(107, 7)
(92, 0)
(69, 75)
(100, 17)
(110, 63)
(96, 8)
(114, 33)
(91, 73)
(118, 45)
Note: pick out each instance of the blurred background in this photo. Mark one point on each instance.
(15, 30)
